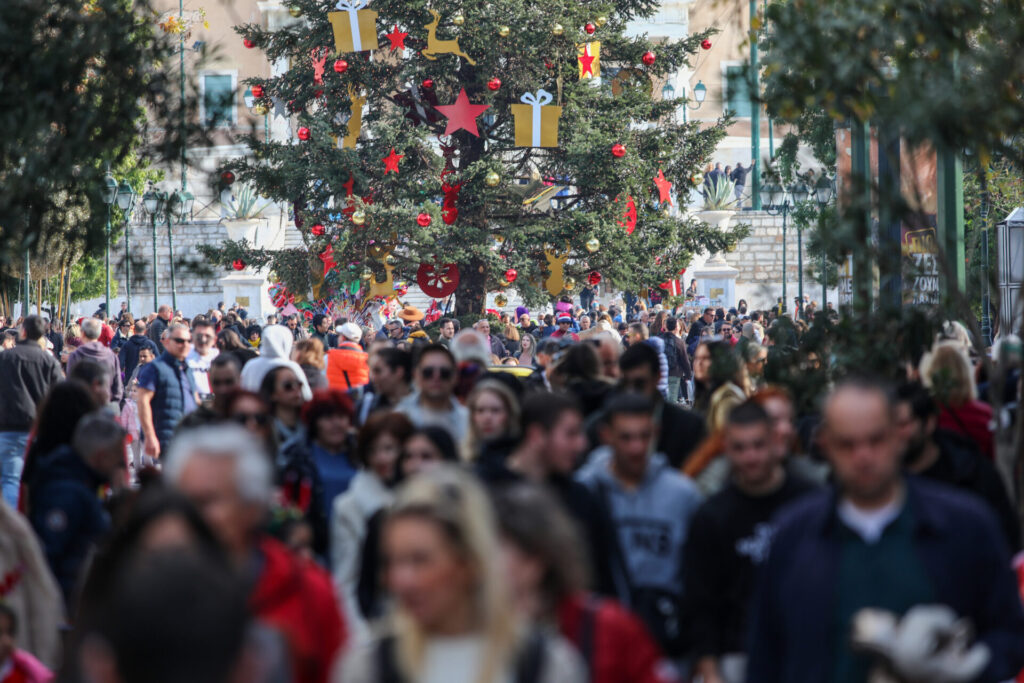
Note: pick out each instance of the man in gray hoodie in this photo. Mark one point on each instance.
(94, 350)
(650, 506)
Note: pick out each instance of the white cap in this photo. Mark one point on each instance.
(350, 331)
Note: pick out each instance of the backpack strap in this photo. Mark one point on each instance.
(387, 661)
(530, 662)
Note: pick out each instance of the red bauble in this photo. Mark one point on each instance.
(618, 150)
(648, 58)
(590, 28)
(227, 177)
(494, 84)
(340, 65)
(257, 91)
(248, 42)
(428, 83)
(304, 134)
(317, 229)
(511, 275)
(238, 264)
(594, 278)
(706, 44)
(423, 220)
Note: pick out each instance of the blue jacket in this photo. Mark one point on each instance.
(168, 402)
(129, 352)
(960, 545)
(66, 514)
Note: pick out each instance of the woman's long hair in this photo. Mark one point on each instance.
(474, 441)
(457, 504)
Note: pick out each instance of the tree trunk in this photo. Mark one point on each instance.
(472, 291)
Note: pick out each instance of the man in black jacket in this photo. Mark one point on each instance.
(729, 538)
(679, 430)
(944, 457)
(26, 374)
(679, 370)
(159, 326)
(693, 336)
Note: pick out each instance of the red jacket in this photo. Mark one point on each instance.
(971, 420)
(621, 650)
(347, 366)
(296, 597)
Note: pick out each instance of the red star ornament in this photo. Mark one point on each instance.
(664, 188)
(462, 115)
(397, 39)
(391, 161)
(586, 61)
(327, 256)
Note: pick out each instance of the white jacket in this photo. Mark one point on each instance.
(350, 513)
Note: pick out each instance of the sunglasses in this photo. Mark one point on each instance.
(430, 372)
(260, 419)
(178, 340)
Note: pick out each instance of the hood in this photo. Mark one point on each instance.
(276, 342)
(65, 464)
(94, 350)
(596, 467)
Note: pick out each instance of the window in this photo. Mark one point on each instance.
(737, 90)
(218, 99)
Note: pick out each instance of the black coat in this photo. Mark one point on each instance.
(129, 354)
(26, 374)
(155, 331)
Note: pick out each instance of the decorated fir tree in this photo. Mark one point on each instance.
(468, 145)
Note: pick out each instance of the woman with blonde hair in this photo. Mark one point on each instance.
(947, 371)
(493, 417)
(452, 620)
(510, 337)
(309, 354)
(527, 347)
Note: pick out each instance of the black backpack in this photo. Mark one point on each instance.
(529, 662)
(671, 350)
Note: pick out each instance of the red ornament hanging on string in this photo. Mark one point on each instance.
(238, 264)
(706, 44)
(511, 275)
(340, 65)
(257, 91)
(618, 150)
(494, 84)
(590, 28)
(594, 278)
(249, 43)
(303, 133)
(423, 220)
(428, 83)
(438, 283)
(227, 177)
(317, 230)
(648, 58)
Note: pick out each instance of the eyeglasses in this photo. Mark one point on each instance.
(261, 419)
(429, 372)
(178, 340)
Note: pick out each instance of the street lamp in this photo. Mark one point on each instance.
(775, 200)
(126, 197)
(800, 192)
(986, 319)
(178, 206)
(700, 93)
(108, 193)
(153, 203)
(824, 190)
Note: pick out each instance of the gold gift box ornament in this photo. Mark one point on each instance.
(355, 28)
(536, 121)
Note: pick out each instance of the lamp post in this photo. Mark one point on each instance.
(126, 197)
(824, 190)
(700, 93)
(178, 206)
(108, 194)
(986, 319)
(153, 203)
(775, 200)
(800, 192)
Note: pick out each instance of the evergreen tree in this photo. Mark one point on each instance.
(507, 49)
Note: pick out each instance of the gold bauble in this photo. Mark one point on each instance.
(366, 275)
(389, 260)
(601, 21)
(593, 244)
(557, 29)
(260, 110)
(295, 11)
(500, 300)
(569, 283)
(500, 239)
(458, 20)
(504, 31)
(492, 179)
(504, 283)
(666, 212)
(359, 217)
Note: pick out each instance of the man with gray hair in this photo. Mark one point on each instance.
(64, 508)
(228, 474)
(95, 350)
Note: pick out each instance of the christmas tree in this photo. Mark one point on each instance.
(472, 142)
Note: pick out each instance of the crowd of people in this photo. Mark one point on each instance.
(603, 494)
